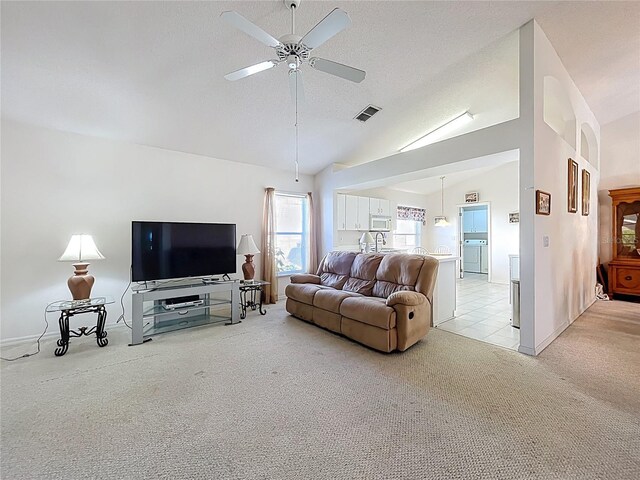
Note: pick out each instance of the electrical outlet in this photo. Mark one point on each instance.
(545, 241)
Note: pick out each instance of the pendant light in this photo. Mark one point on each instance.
(441, 221)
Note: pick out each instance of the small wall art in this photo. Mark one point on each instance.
(572, 187)
(514, 217)
(543, 203)
(586, 192)
(471, 197)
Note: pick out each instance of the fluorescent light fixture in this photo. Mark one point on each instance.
(440, 132)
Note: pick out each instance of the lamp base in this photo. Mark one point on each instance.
(81, 282)
(248, 270)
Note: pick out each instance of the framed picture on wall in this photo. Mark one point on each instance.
(586, 192)
(514, 217)
(572, 187)
(543, 203)
(471, 197)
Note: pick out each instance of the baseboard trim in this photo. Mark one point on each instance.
(547, 341)
(53, 331)
(556, 333)
(526, 350)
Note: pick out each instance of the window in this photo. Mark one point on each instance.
(407, 234)
(292, 233)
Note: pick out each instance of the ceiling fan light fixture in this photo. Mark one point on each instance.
(293, 62)
(439, 132)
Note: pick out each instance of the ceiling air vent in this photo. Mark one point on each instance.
(367, 113)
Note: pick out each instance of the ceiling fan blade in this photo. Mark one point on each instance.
(245, 72)
(295, 82)
(329, 26)
(338, 69)
(250, 28)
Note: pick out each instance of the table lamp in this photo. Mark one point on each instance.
(248, 248)
(80, 249)
(367, 239)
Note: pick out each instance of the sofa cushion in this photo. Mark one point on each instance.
(397, 272)
(335, 268)
(330, 300)
(370, 310)
(362, 275)
(302, 292)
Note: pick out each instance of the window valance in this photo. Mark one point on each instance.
(411, 213)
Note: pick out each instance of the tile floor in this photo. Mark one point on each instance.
(483, 312)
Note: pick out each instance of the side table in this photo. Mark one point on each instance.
(70, 308)
(251, 296)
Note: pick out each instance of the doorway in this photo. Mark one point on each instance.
(474, 241)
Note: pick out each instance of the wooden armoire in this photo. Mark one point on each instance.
(624, 268)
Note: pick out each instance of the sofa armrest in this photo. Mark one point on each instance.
(406, 297)
(305, 278)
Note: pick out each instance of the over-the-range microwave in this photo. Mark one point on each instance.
(379, 223)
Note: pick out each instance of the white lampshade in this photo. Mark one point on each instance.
(247, 246)
(81, 248)
(442, 222)
(366, 238)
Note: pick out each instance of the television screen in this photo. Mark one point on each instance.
(162, 250)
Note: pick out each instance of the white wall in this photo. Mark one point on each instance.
(55, 184)
(565, 274)
(619, 168)
(499, 187)
(395, 197)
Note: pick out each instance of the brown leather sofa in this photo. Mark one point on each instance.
(382, 301)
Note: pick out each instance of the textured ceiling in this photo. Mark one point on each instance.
(427, 185)
(152, 72)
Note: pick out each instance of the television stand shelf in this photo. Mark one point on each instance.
(156, 319)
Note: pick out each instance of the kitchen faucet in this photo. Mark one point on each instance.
(384, 240)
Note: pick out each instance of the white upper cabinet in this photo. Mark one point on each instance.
(341, 220)
(475, 221)
(363, 213)
(379, 206)
(480, 221)
(351, 212)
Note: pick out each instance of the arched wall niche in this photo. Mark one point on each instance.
(558, 111)
(589, 145)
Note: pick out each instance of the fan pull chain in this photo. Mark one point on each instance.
(296, 125)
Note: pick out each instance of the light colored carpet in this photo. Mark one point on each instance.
(275, 397)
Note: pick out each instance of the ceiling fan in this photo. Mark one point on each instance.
(294, 49)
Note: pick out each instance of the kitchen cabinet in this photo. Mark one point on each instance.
(356, 213)
(444, 292)
(363, 213)
(341, 202)
(353, 211)
(379, 206)
(475, 221)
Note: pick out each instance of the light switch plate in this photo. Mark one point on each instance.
(545, 241)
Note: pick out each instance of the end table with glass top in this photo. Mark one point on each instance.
(70, 308)
(251, 296)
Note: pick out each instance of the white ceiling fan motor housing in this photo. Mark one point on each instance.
(291, 3)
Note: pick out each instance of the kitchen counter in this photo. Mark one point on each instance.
(444, 293)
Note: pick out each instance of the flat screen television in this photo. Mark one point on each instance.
(162, 250)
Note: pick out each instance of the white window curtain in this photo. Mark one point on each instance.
(269, 271)
(313, 245)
